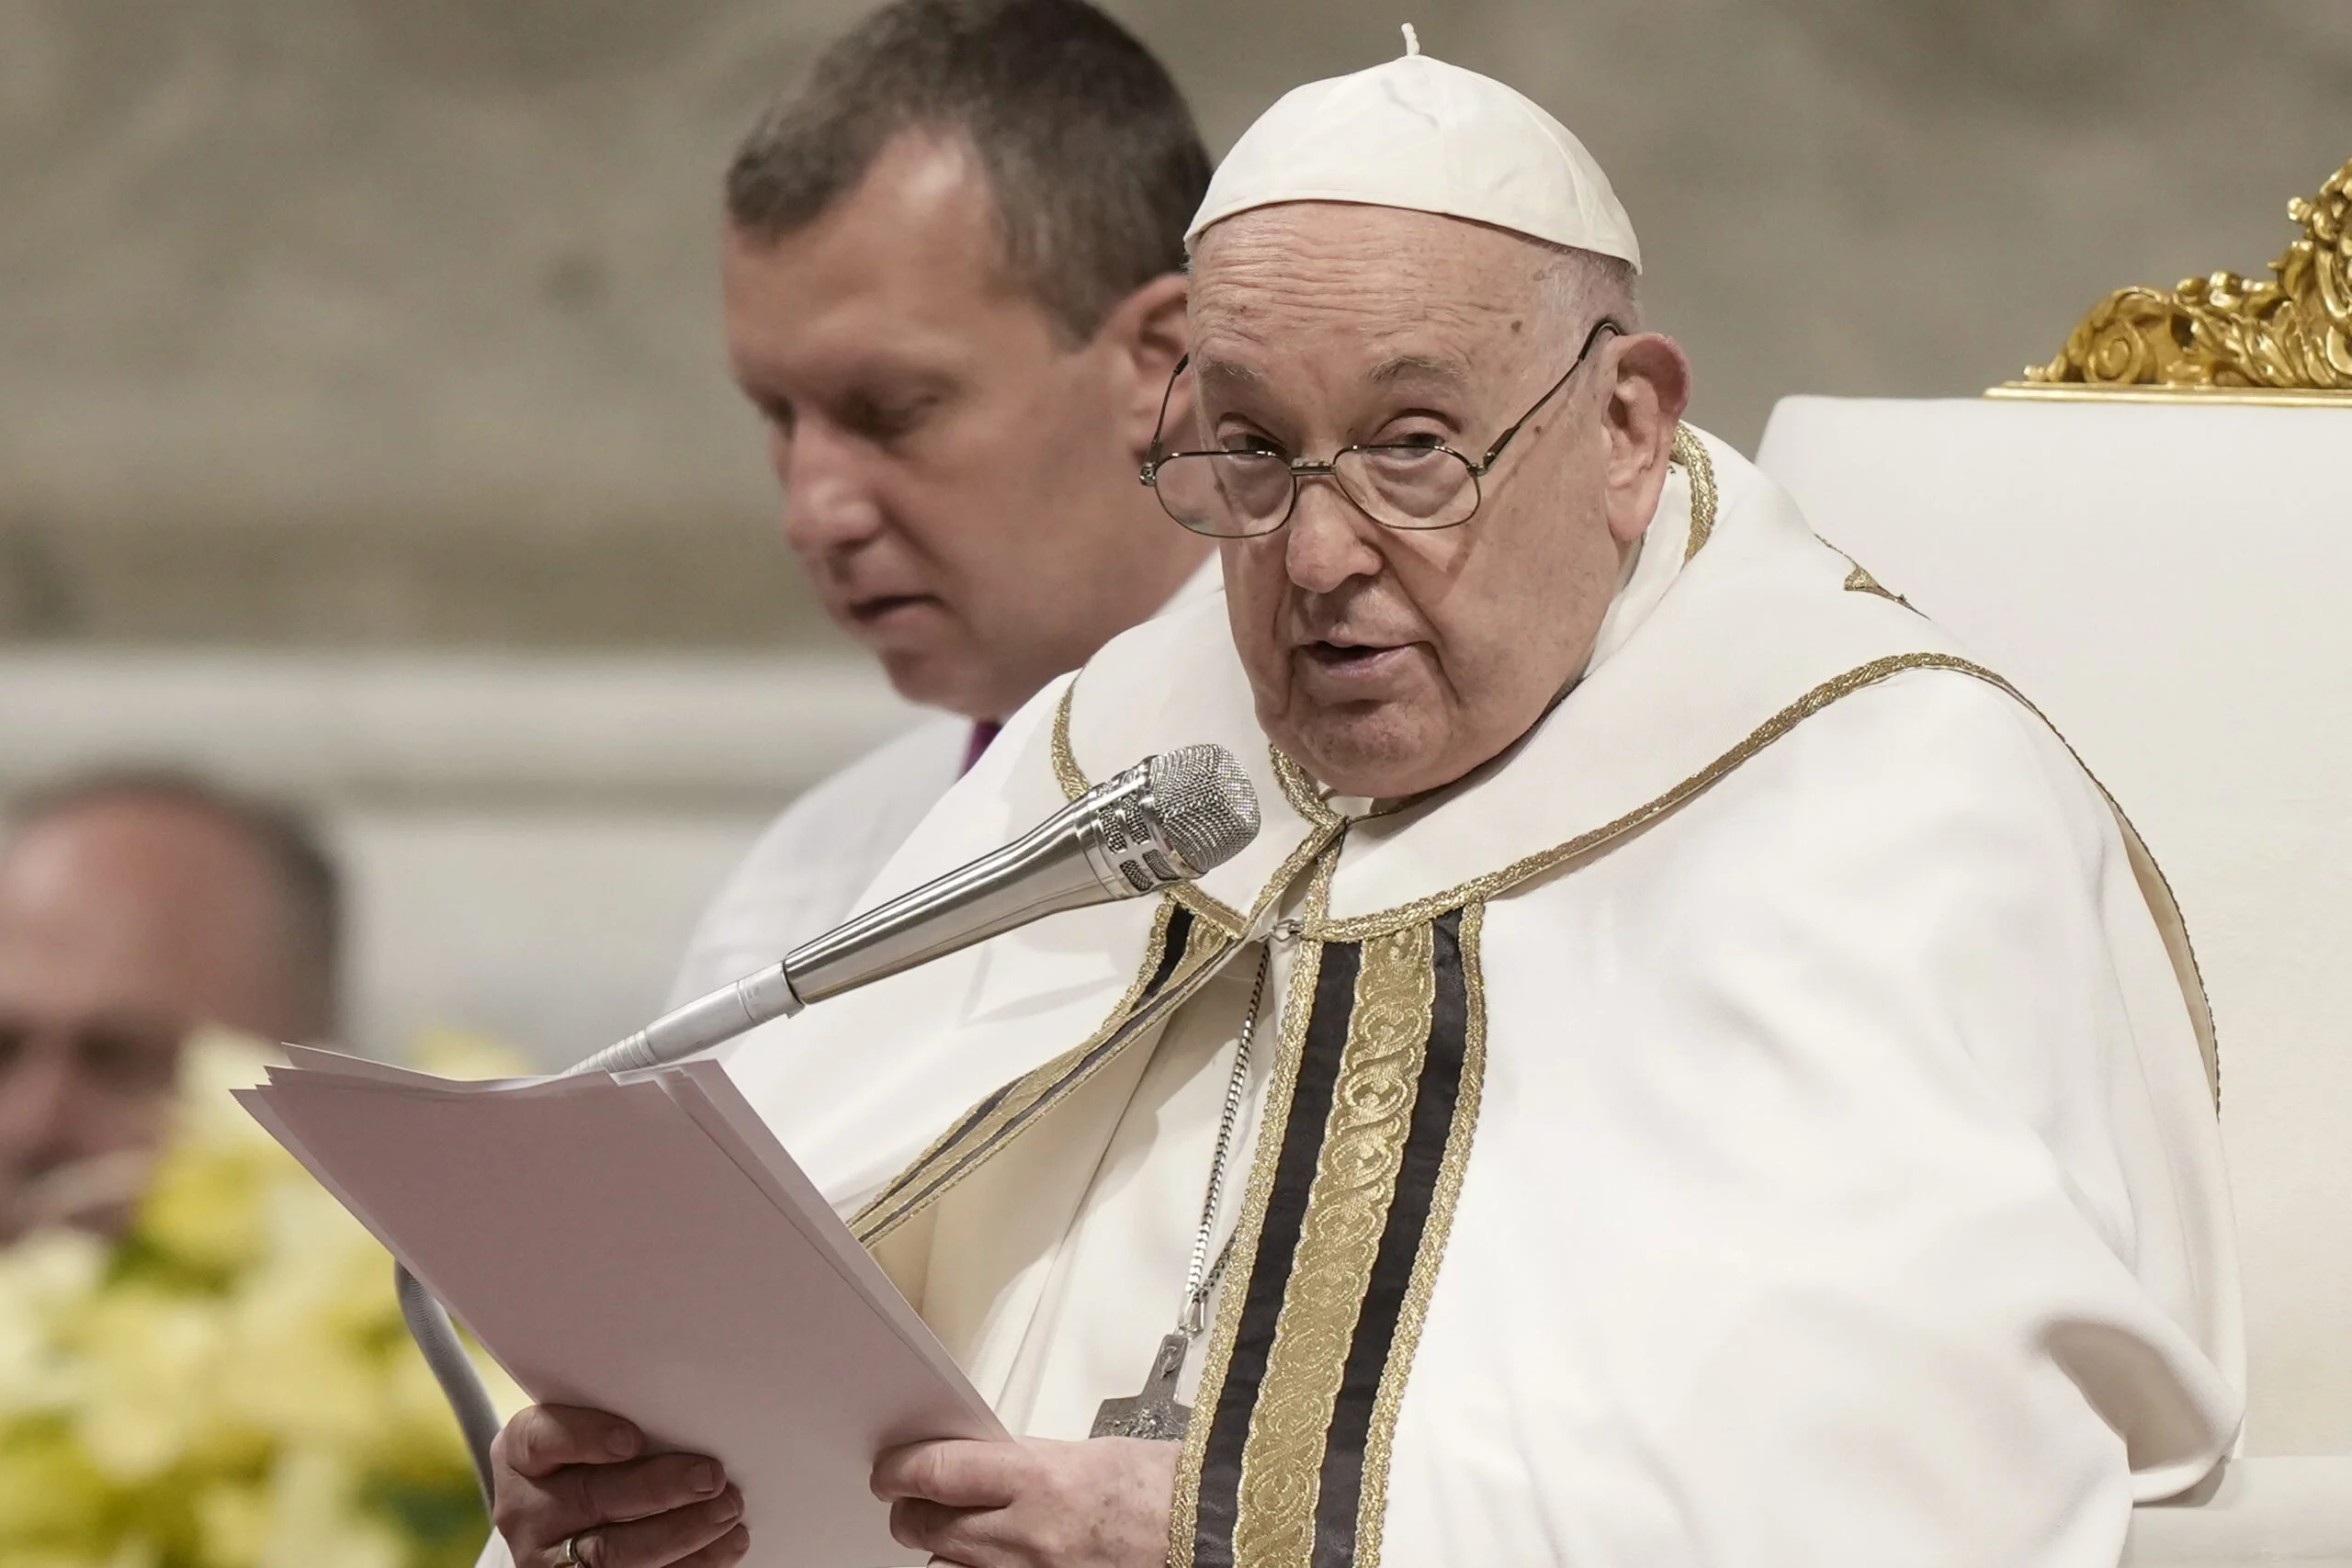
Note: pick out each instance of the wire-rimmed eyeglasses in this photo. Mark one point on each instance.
(1240, 494)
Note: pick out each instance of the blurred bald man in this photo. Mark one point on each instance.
(133, 909)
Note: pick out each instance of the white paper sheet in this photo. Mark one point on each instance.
(644, 1245)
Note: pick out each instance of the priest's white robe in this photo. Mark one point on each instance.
(1763, 1119)
(805, 873)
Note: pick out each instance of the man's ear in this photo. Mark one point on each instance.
(1650, 390)
(1145, 335)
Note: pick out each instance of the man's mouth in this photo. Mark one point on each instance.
(1349, 658)
(881, 607)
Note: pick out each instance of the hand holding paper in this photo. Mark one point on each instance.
(563, 1473)
(642, 1246)
(1102, 1503)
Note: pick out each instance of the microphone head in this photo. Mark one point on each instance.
(1207, 812)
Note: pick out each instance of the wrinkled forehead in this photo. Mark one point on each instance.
(1384, 291)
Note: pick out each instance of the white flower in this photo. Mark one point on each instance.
(229, 1386)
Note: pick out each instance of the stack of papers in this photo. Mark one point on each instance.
(641, 1243)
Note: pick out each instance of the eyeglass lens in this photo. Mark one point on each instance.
(1237, 494)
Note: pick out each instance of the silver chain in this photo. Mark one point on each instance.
(1201, 1278)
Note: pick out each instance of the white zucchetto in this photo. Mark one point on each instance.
(1429, 137)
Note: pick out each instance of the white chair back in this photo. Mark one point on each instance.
(2173, 585)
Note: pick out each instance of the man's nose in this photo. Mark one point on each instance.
(1330, 539)
(829, 501)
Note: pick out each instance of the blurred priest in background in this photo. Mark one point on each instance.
(135, 907)
(1692, 1071)
(953, 291)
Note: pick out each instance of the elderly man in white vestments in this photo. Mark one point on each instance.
(954, 292)
(1692, 1071)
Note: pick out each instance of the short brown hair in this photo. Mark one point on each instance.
(1090, 151)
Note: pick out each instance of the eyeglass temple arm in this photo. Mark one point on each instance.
(1152, 458)
(1479, 470)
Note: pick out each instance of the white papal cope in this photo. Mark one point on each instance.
(1762, 1119)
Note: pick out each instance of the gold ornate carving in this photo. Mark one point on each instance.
(2288, 338)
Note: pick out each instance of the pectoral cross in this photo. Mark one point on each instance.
(1152, 1415)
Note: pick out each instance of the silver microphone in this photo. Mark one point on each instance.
(1163, 821)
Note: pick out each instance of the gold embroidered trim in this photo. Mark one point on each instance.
(2174, 928)
(1298, 1007)
(1066, 769)
(1034, 1092)
(1347, 1210)
(1481, 888)
(2164, 906)
(2155, 887)
(1691, 452)
(1859, 581)
(1371, 1507)
(1300, 790)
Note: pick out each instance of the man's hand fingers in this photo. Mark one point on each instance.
(545, 1438)
(961, 1474)
(665, 1539)
(1021, 1505)
(915, 1523)
(561, 1471)
(649, 1488)
(725, 1552)
(960, 1536)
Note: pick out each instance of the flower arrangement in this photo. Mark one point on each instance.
(228, 1383)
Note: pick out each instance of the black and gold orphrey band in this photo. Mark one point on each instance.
(1286, 1465)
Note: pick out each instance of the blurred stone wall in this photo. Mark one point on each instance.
(391, 323)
